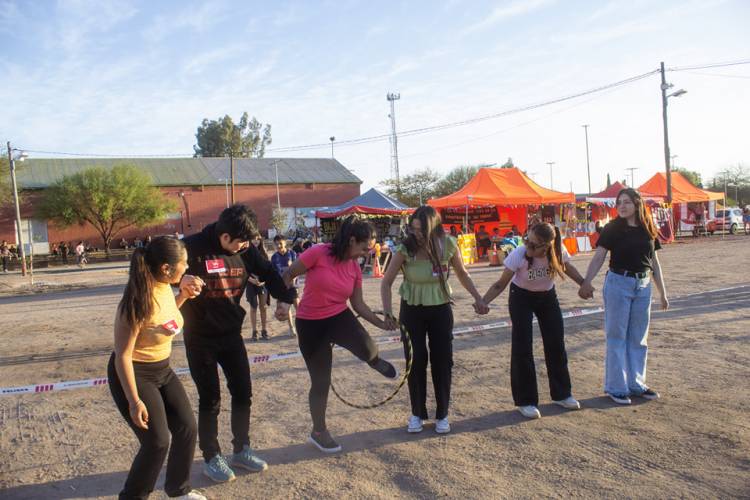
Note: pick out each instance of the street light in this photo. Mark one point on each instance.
(332, 138)
(13, 155)
(278, 195)
(664, 96)
(550, 163)
(588, 165)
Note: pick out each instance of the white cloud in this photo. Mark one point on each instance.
(505, 12)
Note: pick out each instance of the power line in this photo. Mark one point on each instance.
(710, 65)
(721, 75)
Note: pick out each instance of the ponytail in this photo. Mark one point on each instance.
(555, 256)
(136, 304)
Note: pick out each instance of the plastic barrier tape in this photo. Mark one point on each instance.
(459, 332)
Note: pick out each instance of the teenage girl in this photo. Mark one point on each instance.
(257, 295)
(531, 270)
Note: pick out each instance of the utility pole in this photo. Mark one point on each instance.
(278, 195)
(332, 138)
(632, 176)
(550, 163)
(392, 98)
(19, 234)
(664, 87)
(231, 173)
(588, 165)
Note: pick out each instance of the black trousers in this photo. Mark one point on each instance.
(316, 338)
(169, 413)
(205, 354)
(523, 305)
(433, 324)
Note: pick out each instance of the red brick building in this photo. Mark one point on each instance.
(201, 187)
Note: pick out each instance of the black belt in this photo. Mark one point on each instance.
(631, 274)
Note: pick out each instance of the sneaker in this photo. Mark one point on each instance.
(620, 399)
(247, 459)
(192, 495)
(218, 470)
(442, 426)
(264, 334)
(649, 394)
(416, 424)
(385, 369)
(530, 411)
(255, 335)
(569, 403)
(324, 442)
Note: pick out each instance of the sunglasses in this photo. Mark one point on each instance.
(535, 246)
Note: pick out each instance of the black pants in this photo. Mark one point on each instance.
(205, 354)
(433, 324)
(316, 337)
(523, 305)
(5, 263)
(169, 412)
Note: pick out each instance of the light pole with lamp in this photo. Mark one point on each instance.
(664, 96)
(278, 195)
(332, 138)
(588, 165)
(550, 163)
(20, 156)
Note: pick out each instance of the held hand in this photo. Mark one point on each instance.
(664, 303)
(480, 307)
(139, 414)
(254, 280)
(288, 280)
(191, 286)
(282, 311)
(383, 325)
(391, 323)
(586, 291)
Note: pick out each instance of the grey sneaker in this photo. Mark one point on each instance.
(530, 411)
(192, 495)
(416, 424)
(218, 470)
(247, 459)
(649, 394)
(620, 399)
(324, 442)
(442, 426)
(569, 403)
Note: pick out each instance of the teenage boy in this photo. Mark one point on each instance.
(221, 255)
(281, 260)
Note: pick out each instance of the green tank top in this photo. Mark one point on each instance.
(421, 285)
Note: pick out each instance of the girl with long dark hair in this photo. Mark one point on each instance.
(148, 394)
(631, 239)
(425, 257)
(333, 277)
(531, 270)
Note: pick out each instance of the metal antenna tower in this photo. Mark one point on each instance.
(392, 97)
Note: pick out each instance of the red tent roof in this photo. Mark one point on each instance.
(682, 190)
(501, 186)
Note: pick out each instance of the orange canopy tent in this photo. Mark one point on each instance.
(682, 190)
(501, 186)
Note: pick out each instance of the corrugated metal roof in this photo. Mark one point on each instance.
(42, 172)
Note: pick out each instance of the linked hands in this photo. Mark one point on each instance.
(480, 306)
(586, 291)
(191, 286)
(282, 311)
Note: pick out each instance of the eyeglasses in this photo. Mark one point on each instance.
(535, 246)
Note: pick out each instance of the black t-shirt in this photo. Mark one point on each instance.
(631, 248)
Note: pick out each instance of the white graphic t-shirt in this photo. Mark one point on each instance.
(536, 278)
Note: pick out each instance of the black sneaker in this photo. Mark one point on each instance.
(255, 335)
(264, 334)
(385, 368)
(649, 394)
(324, 442)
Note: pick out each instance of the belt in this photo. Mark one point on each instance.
(631, 274)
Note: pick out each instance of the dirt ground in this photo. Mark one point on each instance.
(694, 442)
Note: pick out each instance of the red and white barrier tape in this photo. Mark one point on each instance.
(266, 358)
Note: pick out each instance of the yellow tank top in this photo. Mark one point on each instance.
(154, 341)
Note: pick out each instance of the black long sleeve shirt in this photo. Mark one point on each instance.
(217, 310)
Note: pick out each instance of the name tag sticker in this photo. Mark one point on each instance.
(215, 266)
(172, 327)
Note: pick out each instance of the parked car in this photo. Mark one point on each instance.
(729, 218)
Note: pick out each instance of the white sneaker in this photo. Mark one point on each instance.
(569, 403)
(415, 424)
(192, 495)
(442, 426)
(620, 399)
(530, 411)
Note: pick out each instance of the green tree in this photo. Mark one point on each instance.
(247, 139)
(416, 188)
(692, 176)
(279, 220)
(6, 192)
(455, 179)
(609, 181)
(508, 164)
(109, 200)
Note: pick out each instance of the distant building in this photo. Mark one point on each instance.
(201, 187)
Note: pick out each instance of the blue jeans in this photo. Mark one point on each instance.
(627, 310)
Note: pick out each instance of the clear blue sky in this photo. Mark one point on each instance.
(117, 77)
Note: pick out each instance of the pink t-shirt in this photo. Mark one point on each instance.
(536, 279)
(328, 283)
